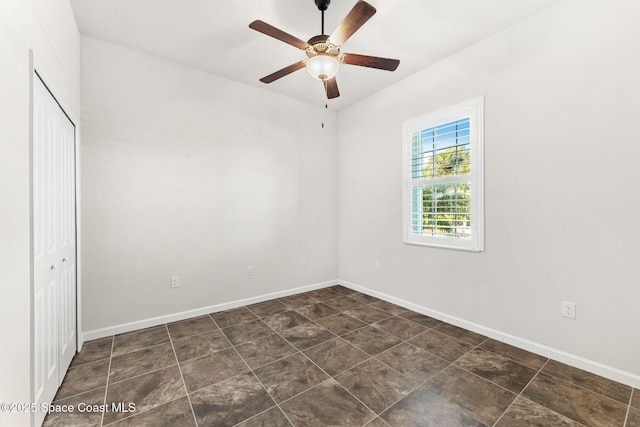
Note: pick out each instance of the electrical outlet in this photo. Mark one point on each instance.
(250, 270)
(568, 309)
(304, 262)
(175, 281)
(377, 266)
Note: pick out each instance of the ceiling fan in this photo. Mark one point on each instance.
(323, 51)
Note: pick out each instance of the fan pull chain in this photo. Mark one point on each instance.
(325, 114)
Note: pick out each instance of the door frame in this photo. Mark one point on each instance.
(36, 70)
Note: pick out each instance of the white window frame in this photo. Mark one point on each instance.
(474, 109)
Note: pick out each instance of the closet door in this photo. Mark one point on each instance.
(54, 245)
(66, 235)
(45, 340)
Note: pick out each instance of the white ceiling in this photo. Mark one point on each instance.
(213, 35)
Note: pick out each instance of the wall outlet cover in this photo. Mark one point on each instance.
(175, 281)
(568, 309)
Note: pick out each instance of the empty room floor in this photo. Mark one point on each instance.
(329, 357)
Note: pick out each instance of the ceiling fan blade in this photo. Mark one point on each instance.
(283, 72)
(331, 87)
(370, 61)
(355, 19)
(272, 31)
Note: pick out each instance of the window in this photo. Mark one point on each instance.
(443, 179)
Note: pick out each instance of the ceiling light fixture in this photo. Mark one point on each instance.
(323, 51)
(323, 67)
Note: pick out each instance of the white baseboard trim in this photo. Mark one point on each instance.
(597, 368)
(614, 374)
(160, 320)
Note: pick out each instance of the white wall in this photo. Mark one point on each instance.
(190, 174)
(163, 195)
(48, 27)
(562, 207)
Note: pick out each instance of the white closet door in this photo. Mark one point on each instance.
(66, 239)
(46, 362)
(54, 245)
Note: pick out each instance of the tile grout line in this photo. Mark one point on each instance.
(477, 347)
(377, 418)
(84, 365)
(532, 378)
(320, 368)
(308, 348)
(420, 384)
(290, 308)
(513, 359)
(126, 379)
(184, 384)
(340, 373)
(421, 349)
(360, 363)
(375, 357)
(208, 355)
(106, 385)
(260, 413)
(626, 417)
(146, 373)
(375, 414)
(140, 349)
(252, 372)
(585, 388)
(423, 382)
(449, 363)
(520, 394)
(192, 336)
(435, 328)
(77, 394)
(298, 351)
(231, 345)
(340, 385)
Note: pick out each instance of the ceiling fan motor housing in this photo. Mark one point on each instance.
(321, 45)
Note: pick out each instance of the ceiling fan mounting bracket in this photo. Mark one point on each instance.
(322, 4)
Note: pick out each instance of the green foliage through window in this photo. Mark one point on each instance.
(442, 209)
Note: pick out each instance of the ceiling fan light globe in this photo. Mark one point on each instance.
(323, 67)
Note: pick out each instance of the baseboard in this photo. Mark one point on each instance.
(543, 350)
(160, 320)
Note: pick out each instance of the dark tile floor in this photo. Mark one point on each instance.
(330, 357)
